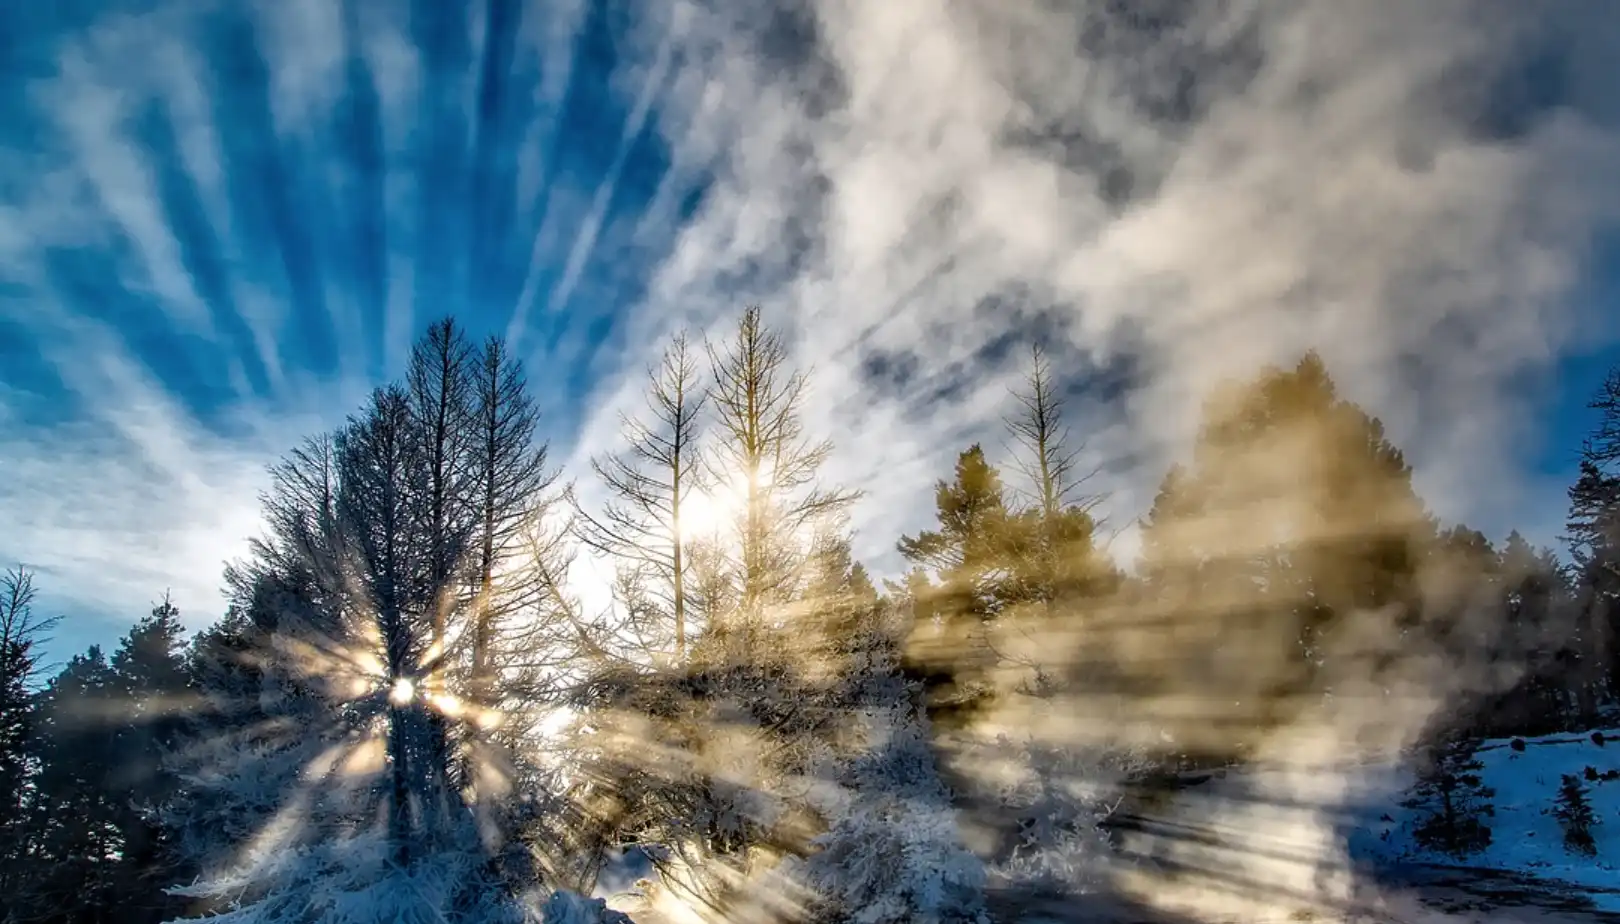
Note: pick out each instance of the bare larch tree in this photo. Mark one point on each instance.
(655, 472)
(762, 451)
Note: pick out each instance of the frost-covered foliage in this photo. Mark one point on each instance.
(703, 761)
(352, 879)
(782, 790)
(640, 740)
(893, 852)
(285, 809)
(300, 835)
(565, 907)
(1059, 799)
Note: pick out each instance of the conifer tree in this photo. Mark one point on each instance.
(381, 502)
(1041, 434)
(155, 694)
(77, 819)
(1574, 812)
(516, 562)
(22, 631)
(1293, 525)
(1594, 541)
(721, 747)
(711, 588)
(441, 403)
(1536, 600)
(396, 544)
(1059, 572)
(842, 616)
(1452, 800)
(1063, 560)
(968, 557)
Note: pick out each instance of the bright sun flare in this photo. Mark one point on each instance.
(404, 690)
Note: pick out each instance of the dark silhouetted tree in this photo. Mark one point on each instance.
(154, 695)
(22, 631)
(1574, 812)
(342, 680)
(513, 491)
(440, 388)
(1452, 800)
(1593, 658)
(79, 815)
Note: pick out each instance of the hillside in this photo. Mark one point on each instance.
(1525, 836)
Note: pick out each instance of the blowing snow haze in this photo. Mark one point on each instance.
(614, 413)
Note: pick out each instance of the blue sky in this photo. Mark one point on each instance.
(224, 221)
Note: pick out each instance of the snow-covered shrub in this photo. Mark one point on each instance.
(892, 852)
(287, 818)
(1061, 806)
(674, 767)
(352, 879)
(1058, 800)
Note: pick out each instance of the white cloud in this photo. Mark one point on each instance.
(130, 495)
(114, 508)
(936, 173)
(1326, 193)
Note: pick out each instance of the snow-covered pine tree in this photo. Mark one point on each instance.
(1452, 800)
(1574, 812)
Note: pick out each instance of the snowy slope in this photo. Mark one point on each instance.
(1525, 835)
(1281, 833)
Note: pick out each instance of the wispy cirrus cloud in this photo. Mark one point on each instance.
(131, 498)
(258, 200)
(1171, 193)
(225, 222)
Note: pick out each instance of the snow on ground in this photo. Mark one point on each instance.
(571, 908)
(621, 871)
(1525, 836)
(1295, 834)
(1281, 825)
